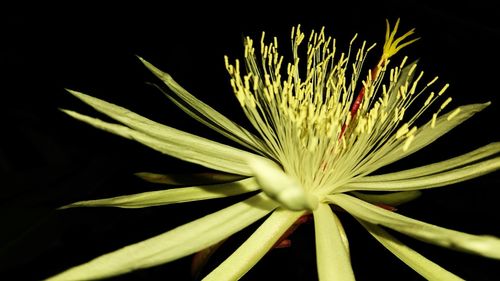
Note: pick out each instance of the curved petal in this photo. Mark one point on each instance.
(394, 151)
(179, 242)
(205, 114)
(331, 251)
(423, 266)
(392, 199)
(464, 159)
(484, 245)
(431, 181)
(181, 145)
(171, 196)
(202, 178)
(255, 247)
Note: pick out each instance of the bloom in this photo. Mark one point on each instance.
(323, 129)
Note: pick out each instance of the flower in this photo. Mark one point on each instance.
(322, 135)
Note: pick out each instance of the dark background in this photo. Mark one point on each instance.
(48, 159)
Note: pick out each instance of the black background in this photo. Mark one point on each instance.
(48, 159)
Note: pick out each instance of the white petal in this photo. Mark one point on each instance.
(428, 269)
(179, 242)
(179, 144)
(331, 251)
(206, 114)
(171, 196)
(484, 245)
(255, 247)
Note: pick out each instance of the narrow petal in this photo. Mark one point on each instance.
(255, 247)
(483, 245)
(141, 123)
(431, 181)
(171, 196)
(205, 114)
(179, 242)
(423, 266)
(467, 158)
(392, 199)
(332, 254)
(189, 178)
(181, 145)
(423, 137)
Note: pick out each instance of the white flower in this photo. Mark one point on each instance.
(321, 135)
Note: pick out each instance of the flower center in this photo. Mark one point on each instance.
(318, 123)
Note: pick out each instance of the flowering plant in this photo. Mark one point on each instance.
(324, 129)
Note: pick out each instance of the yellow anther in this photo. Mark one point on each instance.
(407, 143)
(445, 103)
(433, 123)
(432, 81)
(412, 131)
(453, 114)
(402, 131)
(443, 89)
(403, 62)
(429, 99)
(402, 113)
(353, 39)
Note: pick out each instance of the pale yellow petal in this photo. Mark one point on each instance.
(181, 145)
(171, 196)
(424, 136)
(206, 114)
(483, 245)
(145, 125)
(470, 157)
(431, 181)
(332, 255)
(255, 247)
(392, 199)
(189, 178)
(179, 242)
(423, 266)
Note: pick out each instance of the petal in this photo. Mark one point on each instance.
(428, 269)
(470, 157)
(331, 251)
(171, 196)
(179, 144)
(179, 242)
(206, 114)
(392, 199)
(134, 120)
(255, 247)
(431, 181)
(483, 245)
(189, 178)
(424, 136)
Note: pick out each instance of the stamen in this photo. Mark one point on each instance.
(453, 114)
(433, 123)
(314, 115)
(443, 89)
(445, 103)
(432, 81)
